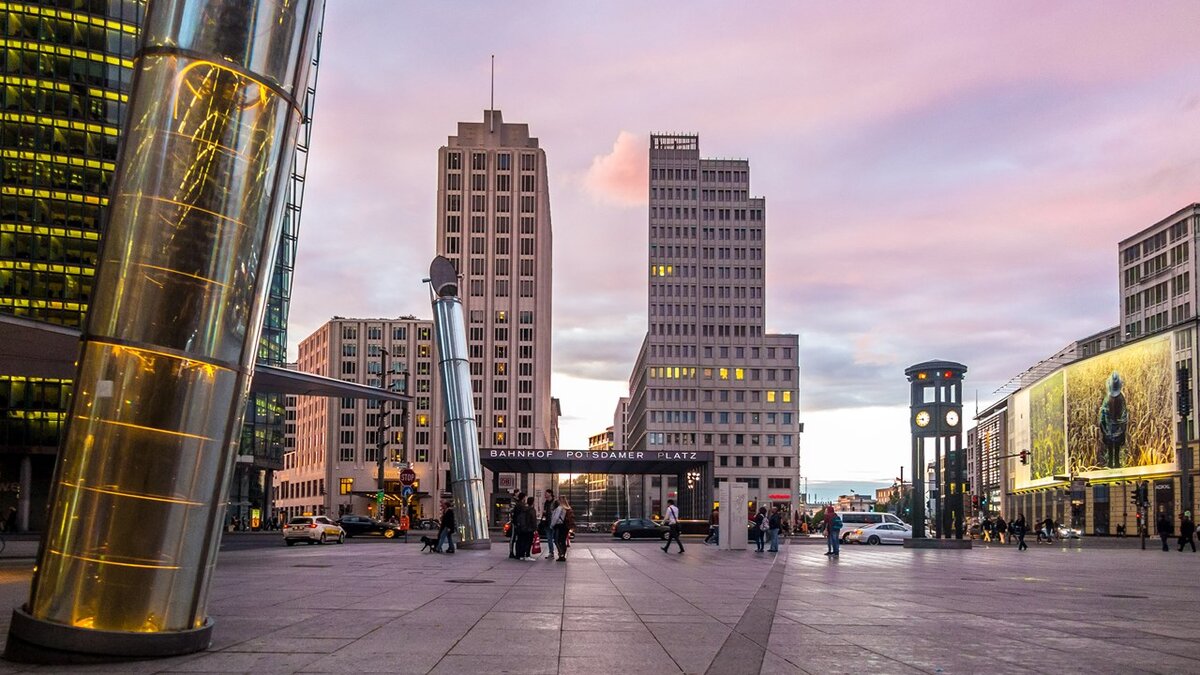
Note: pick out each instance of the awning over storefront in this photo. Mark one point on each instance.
(37, 349)
(592, 461)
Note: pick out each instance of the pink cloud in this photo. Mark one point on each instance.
(621, 175)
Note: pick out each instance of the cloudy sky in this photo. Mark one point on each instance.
(942, 180)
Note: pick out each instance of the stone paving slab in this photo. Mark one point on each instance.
(628, 608)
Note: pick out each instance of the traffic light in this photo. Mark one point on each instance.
(1024, 457)
(1136, 496)
(975, 501)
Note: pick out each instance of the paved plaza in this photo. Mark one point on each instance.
(626, 607)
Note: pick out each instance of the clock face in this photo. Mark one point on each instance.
(952, 418)
(922, 418)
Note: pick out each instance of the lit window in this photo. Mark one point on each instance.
(770, 397)
(739, 374)
(787, 397)
(723, 373)
(346, 486)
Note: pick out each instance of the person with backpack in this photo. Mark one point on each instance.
(547, 532)
(1002, 529)
(1019, 528)
(761, 525)
(526, 525)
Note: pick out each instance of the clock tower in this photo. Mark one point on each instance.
(935, 416)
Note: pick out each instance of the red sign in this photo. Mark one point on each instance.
(779, 496)
(407, 476)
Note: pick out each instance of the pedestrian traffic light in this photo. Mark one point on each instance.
(1024, 457)
(975, 501)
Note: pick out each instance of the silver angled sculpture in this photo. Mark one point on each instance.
(466, 472)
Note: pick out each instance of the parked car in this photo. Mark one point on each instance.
(856, 519)
(313, 530)
(639, 528)
(880, 533)
(355, 525)
(427, 524)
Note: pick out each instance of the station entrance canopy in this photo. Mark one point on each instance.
(593, 461)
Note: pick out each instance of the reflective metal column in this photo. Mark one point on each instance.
(466, 472)
(140, 489)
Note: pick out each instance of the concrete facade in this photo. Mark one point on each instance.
(708, 376)
(493, 223)
(1158, 270)
(333, 468)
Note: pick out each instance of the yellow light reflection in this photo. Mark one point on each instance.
(183, 274)
(132, 495)
(141, 427)
(101, 561)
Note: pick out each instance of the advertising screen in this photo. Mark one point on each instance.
(1110, 415)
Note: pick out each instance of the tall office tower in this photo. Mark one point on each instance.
(493, 222)
(67, 75)
(708, 376)
(333, 468)
(1158, 274)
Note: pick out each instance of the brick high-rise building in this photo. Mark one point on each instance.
(708, 376)
(493, 222)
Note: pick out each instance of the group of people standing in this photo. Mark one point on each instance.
(554, 526)
(767, 527)
(994, 529)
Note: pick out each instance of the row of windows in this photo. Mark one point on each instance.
(722, 417)
(723, 352)
(501, 203)
(721, 395)
(33, 96)
(721, 440)
(503, 161)
(769, 461)
(706, 330)
(502, 182)
(479, 224)
(41, 134)
(350, 332)
(726, 373)
(500, 245)
(706, 252)
(302, 489)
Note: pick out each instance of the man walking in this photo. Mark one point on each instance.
(833, 531)
(1164, 528)
(1187, 528)
(1019, 528)
(673, 523)
(713, 524)
(446, 531)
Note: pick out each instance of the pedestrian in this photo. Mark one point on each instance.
(548, 505)
(1019, 528)
(446, 529)
(1002, 529)
(774, 525)
(1187, 528)
(713, 522)
(835, 531)
(762, 523)
(985, 529)
(672, 523)
(518, 506)
(526, 525)
(562, 521)
(1165, 526)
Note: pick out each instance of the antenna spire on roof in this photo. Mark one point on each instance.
(492, 101)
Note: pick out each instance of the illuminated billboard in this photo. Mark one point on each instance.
(1110, 415)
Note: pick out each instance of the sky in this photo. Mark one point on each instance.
(943, 181)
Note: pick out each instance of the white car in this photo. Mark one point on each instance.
(880, 533)
(313, 530)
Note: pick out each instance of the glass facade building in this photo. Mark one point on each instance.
(66, 73)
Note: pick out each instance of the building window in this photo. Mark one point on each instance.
(346, 454)
(345, 486)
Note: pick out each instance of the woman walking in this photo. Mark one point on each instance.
(761, 524)
(561, 522)
(526, 525)
(1019, 528)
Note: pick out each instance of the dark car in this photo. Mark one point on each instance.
(362, 525)
(428, 524)
(639, 528)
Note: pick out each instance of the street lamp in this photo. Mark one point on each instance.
(384, 427)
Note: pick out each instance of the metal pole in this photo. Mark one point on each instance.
(381, 441)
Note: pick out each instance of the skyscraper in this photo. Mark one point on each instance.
(493, 223)
(66, 83)
(708, 376)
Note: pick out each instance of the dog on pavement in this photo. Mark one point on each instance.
(428, 544)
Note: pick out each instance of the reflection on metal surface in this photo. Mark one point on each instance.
(174, 323)
(462, 434)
